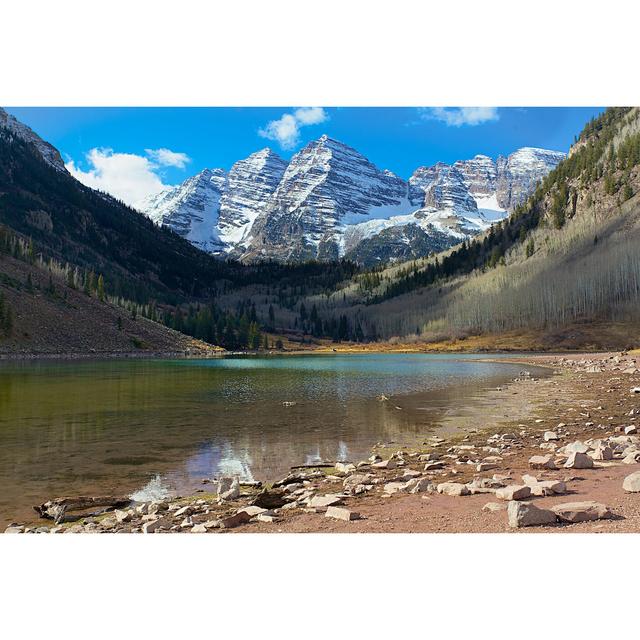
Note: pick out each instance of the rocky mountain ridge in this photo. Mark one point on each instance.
(329, 199)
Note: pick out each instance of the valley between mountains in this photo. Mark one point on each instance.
(536, 250)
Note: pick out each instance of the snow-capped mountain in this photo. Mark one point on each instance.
(191, 209)
(326, 187)
(214, 209)
(330, 201)
(519, 173)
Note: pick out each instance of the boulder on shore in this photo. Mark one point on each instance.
(632, 483)
(453, 489)
(526, 514)
(514, 492)
(228, 488)
(542, 462)
(582, 511)
(340, 513)
(578, 460)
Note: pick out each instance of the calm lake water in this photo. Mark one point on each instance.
(152, 427)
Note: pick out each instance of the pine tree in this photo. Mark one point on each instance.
(71, 283)
(100, 288)
(272, 317)
(530, 248)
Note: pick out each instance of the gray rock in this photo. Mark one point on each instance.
(575, 447)
(14, 529)
(328, 500)
(582, 511)
(395, 487)
(123, 516)
(513, 492)
(151, 526)
(423, 484)
(550, 436)
(340, 513)
(602, 452)
(242, 517)
(228, 488)
(542, 462)
(578, 460)
(632, 483)
(526, 514)
(253, 511)
(453, 489)
(199, 528)
(345, 467)
(494, 506)
(385, 464)
(263, 517)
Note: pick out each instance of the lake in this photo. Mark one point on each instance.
(157, 427)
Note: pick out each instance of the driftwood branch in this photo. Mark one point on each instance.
(319, 465)
(57, 508)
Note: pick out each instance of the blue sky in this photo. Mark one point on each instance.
(133, 151)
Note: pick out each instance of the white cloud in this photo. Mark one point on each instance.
(127, 176)
(460, 116)
(310, 115)
(168, 158)
(286, 130)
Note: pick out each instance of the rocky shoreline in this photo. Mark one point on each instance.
(573, 465)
